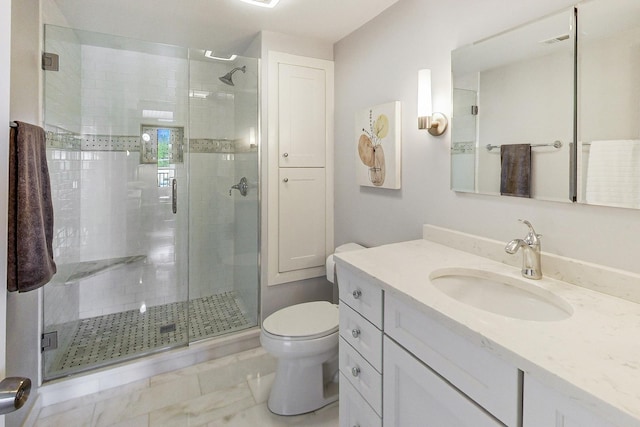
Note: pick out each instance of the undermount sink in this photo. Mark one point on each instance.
(503, 295)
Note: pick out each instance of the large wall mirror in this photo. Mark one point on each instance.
(609, 103)
(513, 111)
(518, 91)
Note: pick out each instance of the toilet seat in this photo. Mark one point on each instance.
(305, 321)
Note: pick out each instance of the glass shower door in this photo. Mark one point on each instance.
(223, 220)
(116, 115)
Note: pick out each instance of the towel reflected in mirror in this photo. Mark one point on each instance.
(515, 173)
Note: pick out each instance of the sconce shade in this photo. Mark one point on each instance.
(435, 123)
(424, 93)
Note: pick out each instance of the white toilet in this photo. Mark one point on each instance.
(304, 340)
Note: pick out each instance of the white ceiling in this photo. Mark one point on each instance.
(228, 26)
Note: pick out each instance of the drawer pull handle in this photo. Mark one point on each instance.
(285, 155)
(355, 371)
(357, 293)
(355, 333)
(285, 180)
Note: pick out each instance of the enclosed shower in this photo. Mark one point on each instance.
(156, 245)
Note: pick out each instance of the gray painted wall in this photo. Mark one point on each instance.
(378, 63)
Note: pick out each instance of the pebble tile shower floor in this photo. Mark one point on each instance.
(99, 340)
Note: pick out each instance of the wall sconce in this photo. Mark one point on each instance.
(435, 123)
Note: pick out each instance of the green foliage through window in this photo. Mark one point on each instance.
(164, 149)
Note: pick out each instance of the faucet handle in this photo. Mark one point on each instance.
(532, 237)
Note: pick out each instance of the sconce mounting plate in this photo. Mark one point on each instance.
(439, 124)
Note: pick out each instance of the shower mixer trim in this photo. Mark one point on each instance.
(242, 187)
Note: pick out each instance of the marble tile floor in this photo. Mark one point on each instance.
(230, 391)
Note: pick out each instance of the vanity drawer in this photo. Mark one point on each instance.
(354, 410)
(361, 375)
(490, 381)
(362, 335)
(359, 293)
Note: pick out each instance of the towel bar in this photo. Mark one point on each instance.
(13, 124)
(555, 144)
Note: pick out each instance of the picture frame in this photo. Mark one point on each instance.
(378, 145)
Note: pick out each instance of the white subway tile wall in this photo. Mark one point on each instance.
(118, 85)
(108, 204)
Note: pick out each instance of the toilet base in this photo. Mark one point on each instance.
(299, 388)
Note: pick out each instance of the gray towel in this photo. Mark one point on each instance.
(515, 175)
(30, 229)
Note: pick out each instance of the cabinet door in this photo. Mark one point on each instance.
(302, 116)
(485, 378)
(302, 216)
(544, 406)
(415, 396)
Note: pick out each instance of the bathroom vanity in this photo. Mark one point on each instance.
(415, 352)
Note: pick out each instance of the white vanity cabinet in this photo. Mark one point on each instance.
(544, 406)
(409, 370)
(491, 382)
(360, 350)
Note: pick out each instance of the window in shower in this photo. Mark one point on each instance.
(163, 147)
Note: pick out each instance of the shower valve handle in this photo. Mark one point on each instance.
(242, 187)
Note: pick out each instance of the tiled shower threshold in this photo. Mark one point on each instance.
(100, 341)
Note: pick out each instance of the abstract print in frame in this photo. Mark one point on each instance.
(378, 142)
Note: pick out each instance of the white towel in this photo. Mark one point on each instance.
(613, 174)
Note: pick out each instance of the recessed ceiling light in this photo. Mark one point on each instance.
(210, 54)
(262, 3)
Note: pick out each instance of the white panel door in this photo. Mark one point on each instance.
(302, 225)
(415, 396)
(302, 116)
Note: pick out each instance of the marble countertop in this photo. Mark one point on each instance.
(593, 356)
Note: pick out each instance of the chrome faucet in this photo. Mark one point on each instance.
(530, 245)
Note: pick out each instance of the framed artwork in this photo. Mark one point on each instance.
(378, 141)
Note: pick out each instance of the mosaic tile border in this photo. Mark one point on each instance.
(204, 145)
(109, 143)
(63, 140)
(85, 142)
(463, 148)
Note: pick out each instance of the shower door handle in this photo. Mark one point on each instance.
(174, 195)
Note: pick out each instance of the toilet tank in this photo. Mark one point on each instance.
(331, 264)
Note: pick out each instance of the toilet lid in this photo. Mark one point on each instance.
(309, 320)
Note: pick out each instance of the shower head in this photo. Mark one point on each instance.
(226, 79)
